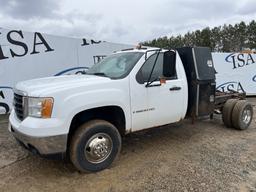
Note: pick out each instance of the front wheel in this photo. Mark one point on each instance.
(94, 146)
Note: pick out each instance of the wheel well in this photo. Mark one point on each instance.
(112, 114)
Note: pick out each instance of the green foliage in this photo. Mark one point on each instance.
(226, 38)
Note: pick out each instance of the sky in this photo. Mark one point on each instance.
(122, 21)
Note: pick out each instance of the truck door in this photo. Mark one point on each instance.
(164, 99)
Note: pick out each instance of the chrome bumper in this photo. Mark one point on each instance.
(42, 145)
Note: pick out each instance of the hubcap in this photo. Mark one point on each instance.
(247, 115)
(98, 148)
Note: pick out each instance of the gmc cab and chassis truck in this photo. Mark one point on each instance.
(83, 117)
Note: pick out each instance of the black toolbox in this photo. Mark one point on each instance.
(200, 72)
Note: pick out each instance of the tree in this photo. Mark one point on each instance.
(226, 38)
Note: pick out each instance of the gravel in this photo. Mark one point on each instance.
(204, 156)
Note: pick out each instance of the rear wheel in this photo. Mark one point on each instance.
(94, 146)
(242, 115)
(227, 112)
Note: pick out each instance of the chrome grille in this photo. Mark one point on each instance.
(18, 106)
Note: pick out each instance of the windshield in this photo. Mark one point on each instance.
(116, 66)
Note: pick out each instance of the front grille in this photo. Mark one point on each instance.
(18, 106)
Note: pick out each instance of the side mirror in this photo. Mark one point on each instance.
(169, 64)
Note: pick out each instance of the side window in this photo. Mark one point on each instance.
(144, 72)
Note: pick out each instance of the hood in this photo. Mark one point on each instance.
(46, 86)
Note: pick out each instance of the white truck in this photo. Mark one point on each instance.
(83, 117)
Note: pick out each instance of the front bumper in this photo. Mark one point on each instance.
(39, 143)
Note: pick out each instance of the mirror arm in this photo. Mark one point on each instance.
(148, 82)
(156, 85)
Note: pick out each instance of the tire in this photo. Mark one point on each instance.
(227, 112)
(94, 146)
(242, 115)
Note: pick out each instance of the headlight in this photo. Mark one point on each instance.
(40, 107)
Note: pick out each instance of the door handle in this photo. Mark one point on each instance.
(175, 88)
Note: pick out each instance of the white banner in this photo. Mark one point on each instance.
(27, 55)
(236, 71)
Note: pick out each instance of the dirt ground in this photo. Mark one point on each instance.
(205, 156)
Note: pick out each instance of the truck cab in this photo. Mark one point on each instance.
(131, 89)
(83, 117)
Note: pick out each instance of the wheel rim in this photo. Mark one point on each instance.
(98, 148)
(247, 115)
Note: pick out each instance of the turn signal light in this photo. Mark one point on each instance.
(47, 106)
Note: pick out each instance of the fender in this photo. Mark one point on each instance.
(85, 100)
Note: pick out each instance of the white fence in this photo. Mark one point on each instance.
(27, 55)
